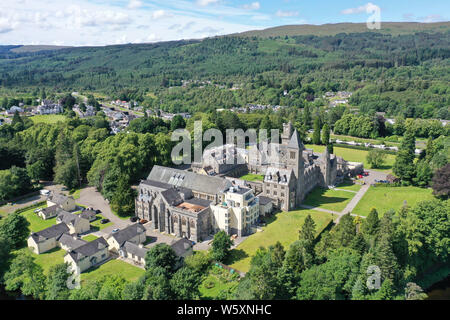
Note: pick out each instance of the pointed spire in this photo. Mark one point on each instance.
(295, 142)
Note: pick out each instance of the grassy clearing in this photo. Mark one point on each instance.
(113, 267)
(49, 118)
(48, 259)
(216, 281)
(283, 227)
(252, 177)
(349, 185)
(36, 222)
(335, 200)
(354, 155)
(386, 198)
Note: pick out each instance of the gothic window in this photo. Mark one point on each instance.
(183, 221)
(292, 155)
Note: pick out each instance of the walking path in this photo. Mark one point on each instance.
(352, 204)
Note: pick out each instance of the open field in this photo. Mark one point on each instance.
(349, 185)
(36, 222)
(386, 198)
(335, 200)
(113, 267)
(50, 118)
(252, 177)
(283, 227)
(355, 155)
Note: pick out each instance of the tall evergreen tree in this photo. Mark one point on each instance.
(316, 133)
(404, 166)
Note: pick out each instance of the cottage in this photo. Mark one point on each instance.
(89, 214)
(69, 242)
(183, 247)
(47, 239)
(134, 233)
(65, 202)
(49, 212)
(265, 206)
(134, 252)
(75, 222)
(88, 255)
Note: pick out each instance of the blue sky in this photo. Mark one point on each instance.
(101, 22)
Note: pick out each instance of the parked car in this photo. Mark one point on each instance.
(103, 221)
(134, 219)
(98, 211)
(365, 174)
(115, 230)
(143, 221)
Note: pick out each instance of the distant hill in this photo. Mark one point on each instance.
(394, 28)
(25, 49)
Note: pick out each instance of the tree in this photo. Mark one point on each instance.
(441, 182)
(134, 290)
(344, 232)
(220, 246)
(15, 228)
(376, 158)
(316, 133)
(56, 284)
(122, 201)
(25, 275)
(112, 288)
(371, 224)
(177, 123)
(414, 292)
(184, 284)
(157, 284)
(404, 166)
(162, 256)
(199, 262)
(308, 230)
(326, 134)
(5, 255)
(423, 174)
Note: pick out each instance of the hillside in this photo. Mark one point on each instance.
(393, 28)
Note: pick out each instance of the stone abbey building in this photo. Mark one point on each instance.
(200, 201)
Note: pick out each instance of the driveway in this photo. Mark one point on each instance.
(90, 197)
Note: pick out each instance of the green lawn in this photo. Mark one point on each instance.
(335, 200)
(252, 177)
(47, 259)
(354, 155)
(349, 185)
(283, 227)
(36, 222)
(216, 281)
(97, 226)
(90, 238)
(113, 267)
(50, 118)
(386, 198)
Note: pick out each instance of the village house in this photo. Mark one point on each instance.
(70, 242)
(49, 212)
(134, 233)
(89, 214)
(74, 222)
(88, 255)
(133, 252)
(183, 247)
(65, 202)
(47, 239)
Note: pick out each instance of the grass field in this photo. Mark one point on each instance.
(349, 185)
(49, 118)
(36, 222)
(386, 198)
(113, 267)
(335, 200)
(252, 177)
(283, 227)
(355, 155)
(47, 259)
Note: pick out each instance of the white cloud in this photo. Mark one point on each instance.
(153, 38)
(252, 6)
(204, 3)
(360, 9)
(159, 14)
(135, 4)
(284, 14)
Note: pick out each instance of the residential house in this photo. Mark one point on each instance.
(47, 239)
(70, 242)
(134, 233)
(134, 252)
(49, 212)
(265, 206)
(89, 214)
(65, 202)
(75, 222)
(88, 255)
(183, 247)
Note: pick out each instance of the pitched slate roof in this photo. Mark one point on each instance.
(132, 248)
(50, 210)
(190, 180)
(276, 175)
(88, 249)
(58, 198)
(181, 246)
(70, 241)
(68, 218)
(295, 142)
(88, 214)
(52, 232)
(128, 233)
(264, 200)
